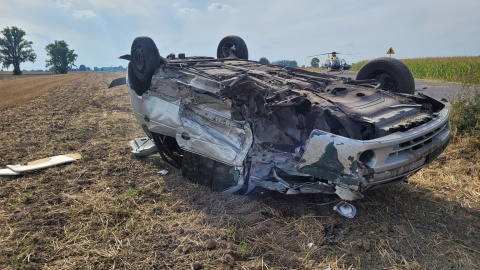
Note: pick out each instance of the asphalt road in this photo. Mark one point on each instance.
(437, 90)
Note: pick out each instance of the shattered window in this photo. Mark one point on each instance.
(207, 172)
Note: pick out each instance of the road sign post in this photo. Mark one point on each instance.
(390, 51)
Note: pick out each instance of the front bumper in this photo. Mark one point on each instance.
(361, 165)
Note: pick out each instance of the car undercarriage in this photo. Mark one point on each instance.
(235, 124)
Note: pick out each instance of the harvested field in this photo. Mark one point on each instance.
(111, 210)
(16, 90)
(8, 75)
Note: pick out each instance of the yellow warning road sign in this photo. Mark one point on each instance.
(390, 51)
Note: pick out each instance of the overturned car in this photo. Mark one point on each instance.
(235, 124)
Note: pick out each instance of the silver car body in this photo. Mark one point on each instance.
(291, 130)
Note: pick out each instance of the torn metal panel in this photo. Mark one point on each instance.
(333, 158)
(346, 193)
(206, 84)
(205, 130)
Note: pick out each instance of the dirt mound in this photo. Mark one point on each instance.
(112, 210)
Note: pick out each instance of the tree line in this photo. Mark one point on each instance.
(315, 63)
(285, 63)
(15, 49)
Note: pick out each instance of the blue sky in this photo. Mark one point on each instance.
(101, 30)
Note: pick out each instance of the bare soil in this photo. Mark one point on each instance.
(20, 89)
(112, 210)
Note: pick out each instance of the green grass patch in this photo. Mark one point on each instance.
(242, 249)
(356, 66)
(465, 114)
(452, 69)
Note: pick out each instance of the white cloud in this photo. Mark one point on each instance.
(307, 28)
(61, 4)
(187, 11)
(218, 6)
(84, 14)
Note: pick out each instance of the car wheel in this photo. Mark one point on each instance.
(232, 45)
(138, 86)
(145, 58)
(166, 147)
(392, 74)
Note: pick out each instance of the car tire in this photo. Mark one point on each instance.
(235, 44)
(145, 59)
(135, 84)
(392, 73)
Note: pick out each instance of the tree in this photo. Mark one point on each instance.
(61, 57)
(264, 60)
(286, 63)
(314, 62)
(14, 49)
(82, 68)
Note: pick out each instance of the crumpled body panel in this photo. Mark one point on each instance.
(207, 129)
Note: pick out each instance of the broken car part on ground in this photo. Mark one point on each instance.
(235, 124)
(39, 164)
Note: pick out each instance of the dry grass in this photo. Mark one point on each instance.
(456, 171)
(111, 210)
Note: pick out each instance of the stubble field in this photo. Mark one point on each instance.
(110, 210)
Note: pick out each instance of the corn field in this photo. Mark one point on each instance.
(451, 69)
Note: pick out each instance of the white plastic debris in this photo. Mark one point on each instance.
(45, 163)
(310, 245)
(163, 172)
(8, 172)
(142, 147)
(345, 209)
(40, 164)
